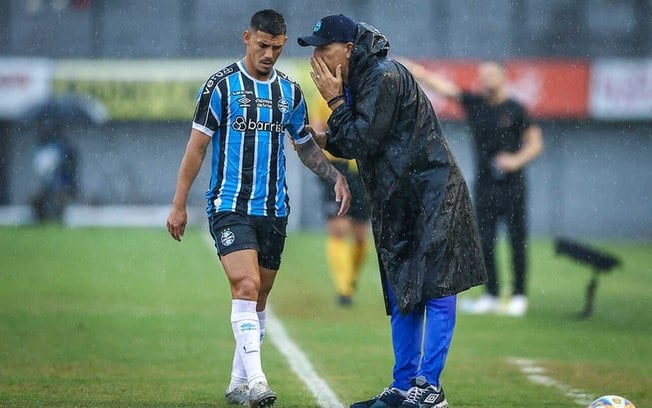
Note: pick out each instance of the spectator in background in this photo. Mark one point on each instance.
(505, 140)
(347, 243)
(55, 165)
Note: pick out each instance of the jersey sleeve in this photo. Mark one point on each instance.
(208, 109)
(296, 125)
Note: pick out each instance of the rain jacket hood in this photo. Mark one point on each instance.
(424, 229)
(369, 44)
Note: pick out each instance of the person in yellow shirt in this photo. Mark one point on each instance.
(347, 242)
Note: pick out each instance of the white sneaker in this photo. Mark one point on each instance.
(238, 395)
(483, 305)
(260, 395)
(517, 306)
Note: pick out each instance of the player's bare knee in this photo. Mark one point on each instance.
(246, 289)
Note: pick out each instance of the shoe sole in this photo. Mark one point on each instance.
(443, 404)
(237, 402)
(266, 401)
(236, 399)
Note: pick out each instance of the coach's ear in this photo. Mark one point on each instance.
(349, 50)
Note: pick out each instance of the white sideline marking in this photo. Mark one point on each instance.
(299, 362)
(296, 358)
(537, 375)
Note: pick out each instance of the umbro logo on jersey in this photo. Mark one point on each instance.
(240, 124)
(244, 102)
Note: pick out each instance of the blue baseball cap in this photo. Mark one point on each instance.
(330, 29)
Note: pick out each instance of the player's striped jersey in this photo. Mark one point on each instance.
(247, 120)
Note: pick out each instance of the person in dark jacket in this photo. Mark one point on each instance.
(506, 140)
(424, 228)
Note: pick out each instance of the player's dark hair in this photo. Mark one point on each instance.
(268, 21)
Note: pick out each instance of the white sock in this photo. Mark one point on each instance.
(238, 372)
(246, 330)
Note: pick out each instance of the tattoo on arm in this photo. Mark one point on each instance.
(313, 158)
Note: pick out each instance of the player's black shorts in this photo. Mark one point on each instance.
(234, 232)
(358, 211)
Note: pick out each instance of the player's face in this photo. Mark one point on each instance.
(335, 54)
(263, 50)
(492, 77)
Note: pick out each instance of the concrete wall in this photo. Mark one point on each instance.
(593, 180)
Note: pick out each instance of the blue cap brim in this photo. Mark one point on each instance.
(313, 40)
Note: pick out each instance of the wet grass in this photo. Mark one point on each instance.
(129, 317)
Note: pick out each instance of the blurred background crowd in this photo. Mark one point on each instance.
(104, 91)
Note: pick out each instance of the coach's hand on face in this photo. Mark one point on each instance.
(329, 84)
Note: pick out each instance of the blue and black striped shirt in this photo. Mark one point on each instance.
(247, 120)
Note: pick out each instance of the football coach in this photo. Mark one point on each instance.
(423, 224)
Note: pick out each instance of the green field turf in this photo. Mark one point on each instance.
(129, 317)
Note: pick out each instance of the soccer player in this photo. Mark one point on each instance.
(423, 225)
(245, 109)
(505, 140)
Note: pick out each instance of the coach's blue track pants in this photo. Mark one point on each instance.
(421, 340)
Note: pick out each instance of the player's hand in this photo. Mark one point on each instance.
(328, 83)
(342, 194)
(507, 162)
(177, 221)
(319, 137)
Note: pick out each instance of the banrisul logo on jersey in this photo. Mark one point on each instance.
(241, 124)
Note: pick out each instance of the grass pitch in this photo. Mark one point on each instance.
(129, 317)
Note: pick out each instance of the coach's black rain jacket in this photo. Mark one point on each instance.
(423, 225)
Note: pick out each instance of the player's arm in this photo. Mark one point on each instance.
(433, 81)
(319, 137)
(531, 147)
(313, 158)
(190, 166)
